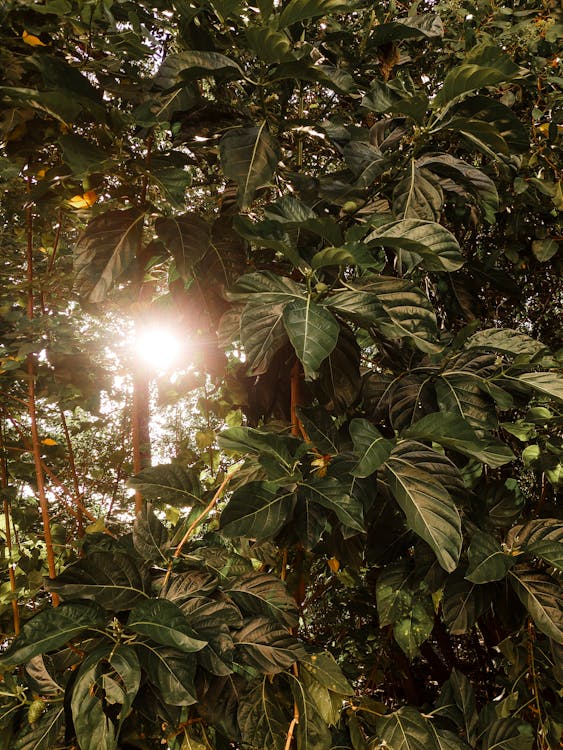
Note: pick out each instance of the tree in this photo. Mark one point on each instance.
(351, 210)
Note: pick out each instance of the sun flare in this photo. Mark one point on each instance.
(158, 347)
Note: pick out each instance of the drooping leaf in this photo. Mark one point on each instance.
(463, 603)
(249, 157)
(418, 196)
(190, 65)
(105, 250)
(319, 427)
(262, 335)
(171, 671)
(542, 537)
(506, 341)
(81, 155)
(270, 46)
(261, 716)
(150, 536)
(266, 646)
(112, 579)
(457, 703)
(323, 669)
(406, 729)
(339, 380)
(170, 483)
(248, 440)
(428, 507)
(373, 448)
(484, 65)
(426, 25)
(393, 593)
(547, 383)
(453, 432)
(508, 734)
(264, 594)
(182, 586)
(265, 288)
(436, 245)
(164, 622)
(187, 237)
(257, 510)
(487, 561)
(540, 595)
(330, 494)
(312, 731)
(313, 333)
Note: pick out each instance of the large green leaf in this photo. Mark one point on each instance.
(508, 734)
(489, 124)
(52, 628)
(42, 734)
(150, 535)
(323, 669)
(311, 731)
(270, 46)
(457, 703)
(263, 716)
(171, 671)
(436, 245)
(426, 25)
(406, 729)
(249, 156)
(170, 483)
(108, 676)
(262, 334)
(330, 494)
(453, 432)
(265, 288)
(112, 579)
(487, 560)
(541, 596)
(393, 593)
(248, 440)
(484, 65)
(427, 505)
(266, 646)
(542, 537)
(547, 383)
(463, 603)
(264, 594)
(373, 448)
(105, 250)
(303, 10)
(313, 333)
(505, 340)
(418, 196)
(177, 69)
(257, 510)
(164, 622)
(187, 237)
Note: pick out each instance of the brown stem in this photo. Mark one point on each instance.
(72, 464)
(32, 410)
(140, 429)
(4, 483)
(296, 398)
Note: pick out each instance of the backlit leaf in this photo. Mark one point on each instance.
(257, 510)
(313, 333)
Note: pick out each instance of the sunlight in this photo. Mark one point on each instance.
(158, 347)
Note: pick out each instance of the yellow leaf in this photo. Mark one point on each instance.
(41, 174)
(96, 527)
(84, 201)
(334, 564)
(49, 441)
(32, 40)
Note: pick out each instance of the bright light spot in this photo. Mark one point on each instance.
(469, 17)
(158, 347)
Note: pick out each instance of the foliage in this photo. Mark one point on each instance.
(350, 212)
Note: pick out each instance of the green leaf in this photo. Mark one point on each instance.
(547, 383)
(82, 156)
(426, 25)
(319, 427)
(411, 631)
(330, 494)
(489, 124)
(311, 731)
(266, 646)
(544, 250)
(436, 245)
(150, 535)
(446, 740)
(187, 237)
(105, 250)
(52, 628)
(505, 340)
(457, 702)
(178, 69)
(304, 10)
(270, 46)
(427, 505)
(264, 594)
(248, 440)
(262, 716)
(262, 334)
(112, 579)
(257, 510)
(463, 603)
(249, 156)
(265, 288)
(313, 333)
(508, 734)
(323, 668)
(170, 483)
(541, 596)
(164, 622)
(418, 196)
(170, 171)
(393, 593)
(484, 65)
(542, 537)
(373, 448)
(406, 729)
(41, 735)
(108, 676)
(487, 561)
(171, 672)
(454, 432)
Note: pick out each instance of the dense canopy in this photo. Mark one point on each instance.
(321, 511)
